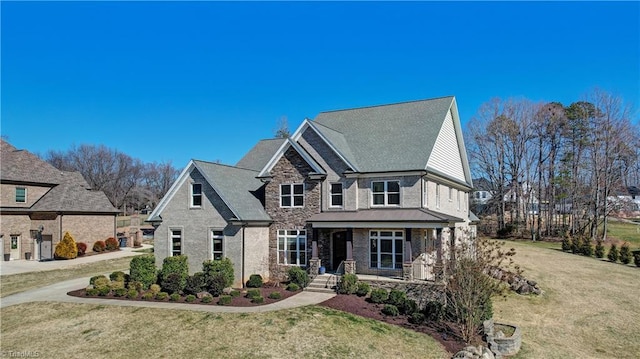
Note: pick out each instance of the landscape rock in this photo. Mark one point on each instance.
(471, 352)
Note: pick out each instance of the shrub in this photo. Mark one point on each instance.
(224, 300)
(173, 283)
(298, 276)
(292, 287)
(206, 299)
(132, 294)
(174, 297)
(190, 298)
(82, 248)
(154, 288)
(363, 289)
(408, 307)
(91, 292)
(416, 318)
(99, 246)
(111, 244)
(103, 291)
(137, 286)
(115, 284)
(117, 276)
(275, 295)
(216, 284)
(101, 282)
(566, 244)
(379, 295)
(143, 269)
(587, 248)
(222, 269)
(255, 281)
(390, 309)
(613, 253)
(396, 297)
(148, 296)
(599, 252)
(636, 258)
(195, 283)
(162, 296)
(625, 253)
(174, 273)
(67, 248)
(235, 293)
(252, 293)
(348, 284)
(576, 245)
(258, 300)
(120, 292)
(433, 311)
(93, 279)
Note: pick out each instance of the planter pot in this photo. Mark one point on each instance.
(7, 257)
(27, 256)
(322, 270)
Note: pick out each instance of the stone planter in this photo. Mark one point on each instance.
(500, 344)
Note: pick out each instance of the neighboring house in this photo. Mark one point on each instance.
(378, 190)
(522, 199)
(626, 202)
(481, 195)
(40, 200)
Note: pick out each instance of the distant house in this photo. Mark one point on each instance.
(38, 199)
(378, 190)
(522, 198)
(626, 201)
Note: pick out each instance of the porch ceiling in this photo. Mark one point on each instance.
(388, 217)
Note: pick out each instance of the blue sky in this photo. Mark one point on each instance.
(169, 81)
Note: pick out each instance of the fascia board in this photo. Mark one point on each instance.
(172, 190)
(215, 188)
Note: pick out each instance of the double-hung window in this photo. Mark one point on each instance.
(292, 247)
(336, 195)
(176, 241)
(292, 195)
(217, 245)
(385, 248)
(385, 193)
(196, 195)
(21, 195)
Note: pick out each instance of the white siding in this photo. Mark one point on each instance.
(445, 157)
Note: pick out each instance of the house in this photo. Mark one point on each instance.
(378, 190)
(522, 198)
(39, 203)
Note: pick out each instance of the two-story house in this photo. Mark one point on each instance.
(376, 190)
(39, 203)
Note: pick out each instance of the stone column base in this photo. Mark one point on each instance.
(350, 267)
(407, 271)
(314, 267)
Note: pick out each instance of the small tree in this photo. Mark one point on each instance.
(613, 253)
(67, 248)
(625, 253)
(599, 249)
(174, 274)
(218, 273)
(142, 269)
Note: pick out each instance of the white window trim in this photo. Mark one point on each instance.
(386, 194)
(292, 195)
(191, 195)
(458, 200)
(25, 194)
(170, 237)
(286, 250)
(393, 238)
(438, 196)
(450, 194)
(211, 238)
(331, 205)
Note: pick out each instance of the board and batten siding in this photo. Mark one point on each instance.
(445, 156)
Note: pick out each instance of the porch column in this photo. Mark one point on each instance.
(407, 266)
(350, 263)
(439, 266)
(314, 262)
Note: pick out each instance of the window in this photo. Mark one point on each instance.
(450, 194)
(386, 249)
(458, 200)
(21, 195)
(336, 195)
(437, 196)
(292, 195)
(217, 239)
(385, 193)
(292, 247)
(196, 195)
(14, 241)
(176, 241)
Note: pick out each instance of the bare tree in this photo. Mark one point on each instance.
(283, 128)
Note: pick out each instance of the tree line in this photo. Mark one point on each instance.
(551, 167)
(130, 184)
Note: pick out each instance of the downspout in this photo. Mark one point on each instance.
(244, 224)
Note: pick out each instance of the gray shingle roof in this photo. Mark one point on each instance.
(396, 137)
(385, 215)
(260, 154)
(23, 166)
(237, 187)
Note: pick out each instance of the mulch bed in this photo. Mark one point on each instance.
(360, 306)
(239, 301)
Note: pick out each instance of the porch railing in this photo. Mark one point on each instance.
(335, 276)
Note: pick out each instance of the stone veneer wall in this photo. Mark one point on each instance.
(420, 291)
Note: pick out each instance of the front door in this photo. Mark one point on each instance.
(339, 245)
(15, 247)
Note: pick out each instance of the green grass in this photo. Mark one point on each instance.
(626, 232)
(16, 283)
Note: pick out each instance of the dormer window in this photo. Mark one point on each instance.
(196, 195)
(385, 193)
(21, 195)
(292, 195)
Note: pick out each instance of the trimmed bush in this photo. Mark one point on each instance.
(409, 306)
(101, 282)
(195, 283)
(117, 276)
(207, 299)
(154, 288)
(396, 297)
(143, 269)
(93, 279)
(190, 298)
(120, 292)
(275, 295)
(390, 309)
(104, 291)
(379, 295)
(99, 246)
(111, 244)
(257, 300)
(252, 293)
(216, 284)
(235, 293)
(298, 276)
(67, 248)
(91, 292)
(363, 289)
(221, 269)
(162, 296)
(416, 318)
(599, 251)
(115, 284)
(82, 248)
(137, 286)
(625, 253)
(433, 311)
(224, 300)
(292, 287)
(348, 284)
(148, 296)
(613, 253)
(173, 283)
(174, 274)
(255, 281)
(132, 294)
(174, 297)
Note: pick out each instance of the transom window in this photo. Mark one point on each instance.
(386, 249)
(336, 195)
(217, 239)
(385, 193)
(176, 242)
(292, 247)
(196, 195)
(292, 195)
(21, 195)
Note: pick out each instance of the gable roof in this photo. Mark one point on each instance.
(288, 143)
(23, 166)
(260, 154)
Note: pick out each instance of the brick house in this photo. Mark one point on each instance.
(38, 199)
(378, 190)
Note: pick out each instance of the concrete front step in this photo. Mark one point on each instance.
(324, 283)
